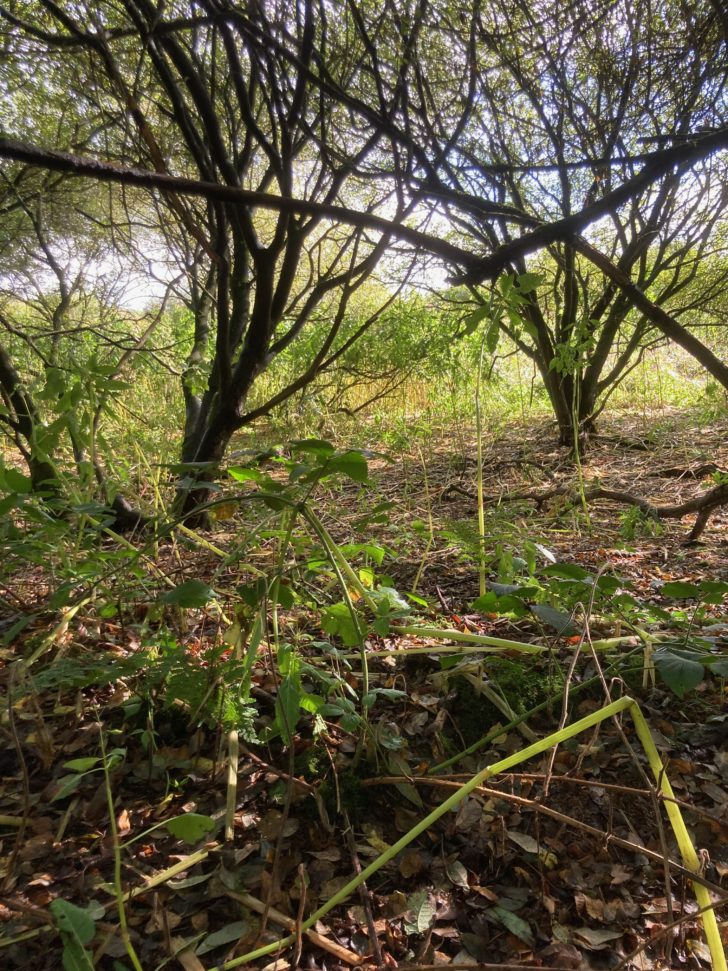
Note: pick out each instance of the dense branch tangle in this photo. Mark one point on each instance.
(290, 148)
(239, 117)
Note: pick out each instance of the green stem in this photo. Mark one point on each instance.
(447, 806)
(118, 886)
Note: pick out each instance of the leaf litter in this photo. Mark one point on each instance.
(560, 865)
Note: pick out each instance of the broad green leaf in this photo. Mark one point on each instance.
(353, 464)
(81, 765)
(77, 929)
(567, 571)
(419, 601)
(512, 922)
(191, 593)
(226, 935)
(529, 281)
(8, 503)
(190, 827)
(556, 619)
(505, 284)
(421, 912)
(471, 322)
(314, 446)
(374, 552)
(245, 474)
(679, 590)
(67, 785)
(713, 591)
(74, 921)
(681, 673)
(17, 482)
(337, 620)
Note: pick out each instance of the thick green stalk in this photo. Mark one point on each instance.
(449, 804)
(504, 765)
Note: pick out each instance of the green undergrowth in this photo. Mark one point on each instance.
(285, 650)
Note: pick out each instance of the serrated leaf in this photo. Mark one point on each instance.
(680, 672)
(190, 827)
(191, 593)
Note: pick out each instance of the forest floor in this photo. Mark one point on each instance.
(566, 860)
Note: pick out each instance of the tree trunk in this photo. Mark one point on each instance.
(26, 424)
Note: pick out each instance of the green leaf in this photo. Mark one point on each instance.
(680, 671)
(490, 603)
(74, 921)
(8, 503)
(492, 335)
(713, 591)
(81, 765)
(471, 322)
(679, 590)
(512, 922)
(191, 593)
(190, 827)
(68, 784)
(337, 620)
(556, 619)
(528, 282)
(244, 474)
(457, 874)
(77, 928)
(17, 482)
(226, 935)
(421, 912)
(567, 571)
(288, 705)
(314, 446)
(352, 464)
